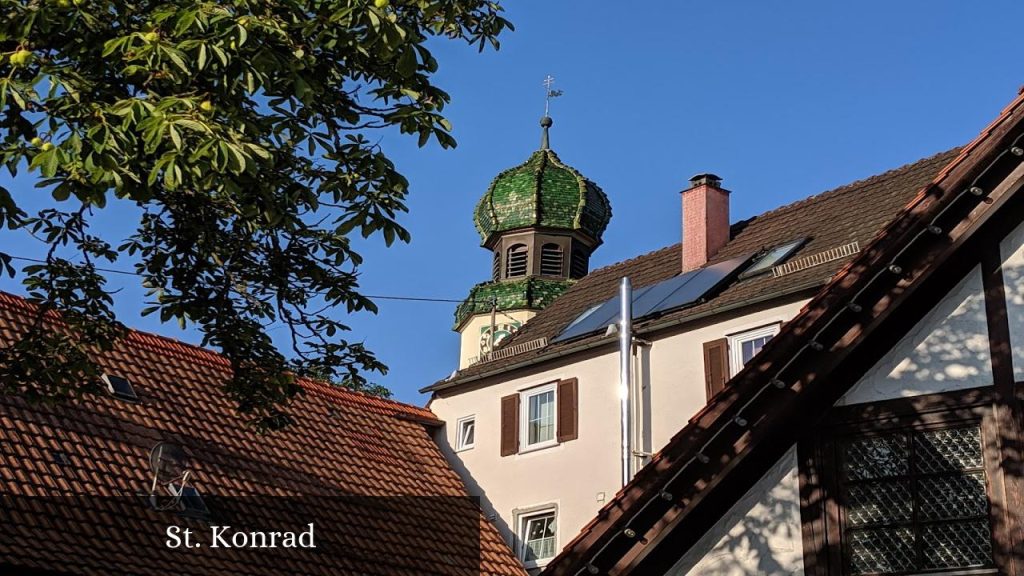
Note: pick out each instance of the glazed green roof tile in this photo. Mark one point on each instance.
(542, 192)
(526, 294)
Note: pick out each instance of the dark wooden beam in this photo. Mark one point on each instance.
(1004, 424)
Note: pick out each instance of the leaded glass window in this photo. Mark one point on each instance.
(915, 501)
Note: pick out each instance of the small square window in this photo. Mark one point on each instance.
(120, 387)
(745, 345)
(538, 419)
(538, 537)
(465, 428)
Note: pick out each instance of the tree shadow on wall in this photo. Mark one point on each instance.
(759, 535)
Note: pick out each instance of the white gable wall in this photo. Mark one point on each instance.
(759, 535)
(947, 350)
(1012, 250)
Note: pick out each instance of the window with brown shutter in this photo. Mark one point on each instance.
(510, 425)
(716, 365)
(568, 413)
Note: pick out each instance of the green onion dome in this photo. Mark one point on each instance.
(542, 192)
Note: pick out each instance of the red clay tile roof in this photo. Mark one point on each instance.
(775, 418)
(855, 212)
(384, 498)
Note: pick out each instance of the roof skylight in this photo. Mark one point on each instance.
(773, 257)
(120, 387)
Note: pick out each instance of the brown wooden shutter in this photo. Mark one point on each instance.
(568, 411)
(716, 365)
(510, 425)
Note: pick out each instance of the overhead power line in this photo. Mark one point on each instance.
(373, 297)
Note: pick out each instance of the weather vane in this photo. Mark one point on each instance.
(549, 93)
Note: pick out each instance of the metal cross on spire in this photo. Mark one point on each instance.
(545, 122)
(549, 80)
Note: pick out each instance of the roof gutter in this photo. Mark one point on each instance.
(604, 341)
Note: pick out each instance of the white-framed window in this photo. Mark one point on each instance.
(465, 430)
(538, 536)
(745, 345)
(538, 417)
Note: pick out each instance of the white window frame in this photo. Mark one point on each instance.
(736, 344)
(524, 417)
(459, 444)
(521, 519)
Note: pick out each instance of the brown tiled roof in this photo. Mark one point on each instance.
(714, 459)
(384, 498)
(855, 212)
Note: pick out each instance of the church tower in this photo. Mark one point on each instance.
(541, 220)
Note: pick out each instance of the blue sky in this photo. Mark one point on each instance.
(781, 99)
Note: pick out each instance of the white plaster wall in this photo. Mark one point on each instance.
(946, 350)
(570, 475)
(760, 534)
(1012, 250)
(470, 335)
(581, 475)
(677, 368)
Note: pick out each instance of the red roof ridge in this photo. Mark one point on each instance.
(193, 352)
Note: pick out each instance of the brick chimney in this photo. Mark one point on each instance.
(705, 220)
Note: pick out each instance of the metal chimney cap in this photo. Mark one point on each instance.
(707, 179)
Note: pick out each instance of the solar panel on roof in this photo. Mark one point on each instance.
(120, 387)
(705, 281)
(675, 292)
(644, 304)
(597, 319)
(773, 257)
(583, 316)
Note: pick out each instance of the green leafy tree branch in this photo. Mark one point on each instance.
(239, 131)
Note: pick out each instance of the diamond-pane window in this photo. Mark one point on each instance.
(915, 501)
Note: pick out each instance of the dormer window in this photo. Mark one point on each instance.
(516, 261)
(551, 260)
